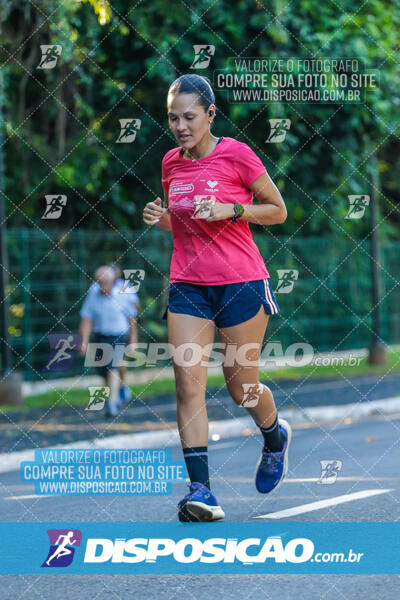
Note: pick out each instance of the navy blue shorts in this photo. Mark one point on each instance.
(226, 305)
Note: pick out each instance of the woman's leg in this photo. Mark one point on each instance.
(200, 504)
(191, 381)
(251, 331)
(272, 465)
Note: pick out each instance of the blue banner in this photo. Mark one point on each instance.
(222, 547)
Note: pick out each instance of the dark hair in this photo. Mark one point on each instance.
(194, 84)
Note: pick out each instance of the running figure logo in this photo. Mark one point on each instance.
(133, 279)
(287, 277)
(62, 547)
(129, 128)
(357, 206)
(62, 348)
(329, 471)
(251, 394)
(279, 129)
(202, 56)
(203, 204)
(54, 206)
(97, 397)
(50, 56)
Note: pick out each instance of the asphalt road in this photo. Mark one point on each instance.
(369, 451)
(64, 423)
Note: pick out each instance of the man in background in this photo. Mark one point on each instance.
(111, 315)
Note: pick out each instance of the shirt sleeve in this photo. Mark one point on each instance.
(87, 311)
(248, 165)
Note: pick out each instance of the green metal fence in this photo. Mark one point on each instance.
(329, 306)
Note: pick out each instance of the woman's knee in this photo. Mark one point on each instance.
(243, 393)
(188, 388)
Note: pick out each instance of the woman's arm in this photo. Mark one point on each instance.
(271, 210)
(165, 219)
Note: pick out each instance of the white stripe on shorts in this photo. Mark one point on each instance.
(268, 297)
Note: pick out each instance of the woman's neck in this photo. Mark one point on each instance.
(203, 148)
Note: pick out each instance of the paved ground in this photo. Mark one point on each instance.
(64, 423)
(370, 454)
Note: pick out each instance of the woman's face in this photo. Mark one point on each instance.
(187, 119)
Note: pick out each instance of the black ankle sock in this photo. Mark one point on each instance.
(196, 460)
(273, 439)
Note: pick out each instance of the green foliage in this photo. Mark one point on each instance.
(118, 60)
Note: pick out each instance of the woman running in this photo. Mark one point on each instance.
(217, 279)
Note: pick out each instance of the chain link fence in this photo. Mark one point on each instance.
(329, 305)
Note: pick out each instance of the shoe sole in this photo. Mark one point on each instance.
(285, 460)
(203, 512)
(184, 516)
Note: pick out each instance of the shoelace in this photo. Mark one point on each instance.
(193, 487)
(271, 459)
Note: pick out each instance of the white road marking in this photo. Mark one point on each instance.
(27, 497)
(298, 510)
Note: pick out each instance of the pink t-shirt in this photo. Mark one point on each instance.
(218, 252)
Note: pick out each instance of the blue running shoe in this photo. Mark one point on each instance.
(199, 505)
(125, 393)
(272, 467)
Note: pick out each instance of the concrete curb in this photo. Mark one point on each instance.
(229, 427)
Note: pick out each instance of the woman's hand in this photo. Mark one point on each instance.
(219, 211)
(153, 211)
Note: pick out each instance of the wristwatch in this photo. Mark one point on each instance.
(238, 210)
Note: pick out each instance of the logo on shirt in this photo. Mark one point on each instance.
(62, 547)
(178, 188)
(185, 201)
(211, 186)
